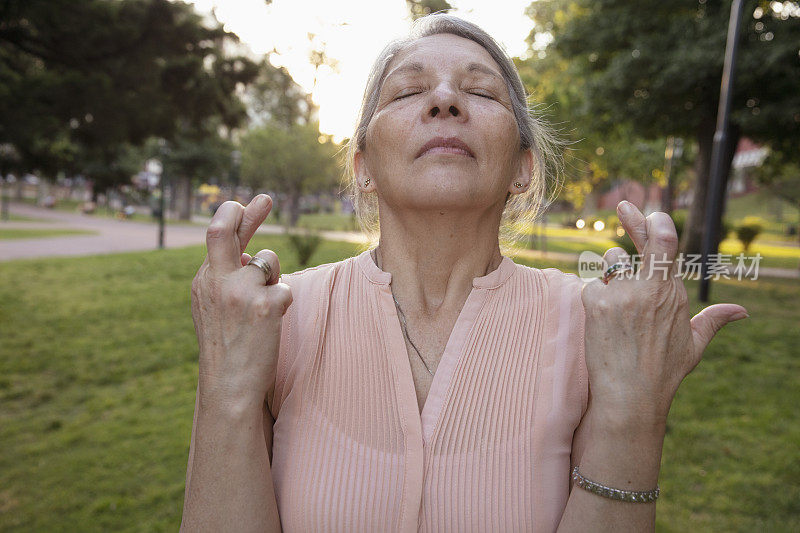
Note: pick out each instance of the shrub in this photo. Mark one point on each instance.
(304, 244)
(626, 243)
(748, 229)
(679, 218)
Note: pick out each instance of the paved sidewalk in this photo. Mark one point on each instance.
(111, 236)
(114, 236)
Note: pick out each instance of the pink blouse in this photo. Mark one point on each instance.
(491, 449)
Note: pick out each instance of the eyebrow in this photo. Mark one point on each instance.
(472, 67)
(417, 67)
(406, 67)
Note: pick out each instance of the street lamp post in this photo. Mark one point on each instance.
(715, 192)
(4, 214)
(8, 152)
(161, 207)
(163, 152)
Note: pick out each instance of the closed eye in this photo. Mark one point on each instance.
(405, 94)
(481, 93)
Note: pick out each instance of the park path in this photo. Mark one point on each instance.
(113, 236)
(110, 235)
(127, 236)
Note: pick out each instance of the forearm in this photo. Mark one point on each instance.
(230, 483)
(623, 455)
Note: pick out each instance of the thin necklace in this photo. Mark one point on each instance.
(403, 317)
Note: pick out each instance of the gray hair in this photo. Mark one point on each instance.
(520, 209)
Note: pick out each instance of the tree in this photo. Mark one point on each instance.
(194, 156)
(594, 157)
(656, 66)
(79, 80)
(275, 97)
(420, 8)
(781, 175)
(294, 159)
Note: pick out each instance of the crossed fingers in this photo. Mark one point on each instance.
(655, 238)
(231, 229)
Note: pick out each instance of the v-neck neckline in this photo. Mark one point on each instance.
(425, 422)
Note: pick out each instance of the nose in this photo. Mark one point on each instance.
(445, 102)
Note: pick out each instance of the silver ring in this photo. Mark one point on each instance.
(613, 271)
(263, 265)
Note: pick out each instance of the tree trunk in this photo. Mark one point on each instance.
(172, 189)
(668, 190)
(294, 208)
(667, 195)
(42, 189)
(692, 239)
(591, 201)
(798, 233)
(183, 195)
(4, 214)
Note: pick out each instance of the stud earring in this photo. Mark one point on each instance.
(366, 182)
(518, 185)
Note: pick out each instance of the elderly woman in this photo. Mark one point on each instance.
(431, 383)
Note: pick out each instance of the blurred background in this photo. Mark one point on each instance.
(124, 124)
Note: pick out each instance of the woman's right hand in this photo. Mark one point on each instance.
(237, 312)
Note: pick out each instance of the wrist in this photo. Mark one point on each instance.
(622, 454)
(611, 419)
(230, 403)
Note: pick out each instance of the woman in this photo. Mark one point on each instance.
(510, 398)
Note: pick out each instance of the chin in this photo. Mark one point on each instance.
(445, 187)
(448, 177)
(446, 196)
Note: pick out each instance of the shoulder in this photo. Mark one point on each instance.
(314, 272)
(569, 284)
(311, 287)
(564, 324)
(558, 284)
(315, 276)
(556, 292)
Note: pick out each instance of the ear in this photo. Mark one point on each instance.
(361, 173)
(524, 173)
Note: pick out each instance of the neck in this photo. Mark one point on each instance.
(434, 256)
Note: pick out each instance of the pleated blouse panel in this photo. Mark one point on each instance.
(491, 449)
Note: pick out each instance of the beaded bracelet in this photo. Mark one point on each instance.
(634, 496)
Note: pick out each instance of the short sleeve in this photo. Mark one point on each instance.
(287, 349)
(566, 289)
(301, 324)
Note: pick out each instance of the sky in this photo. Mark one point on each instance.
(354, 31)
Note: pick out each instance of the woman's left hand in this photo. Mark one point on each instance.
(640, 340)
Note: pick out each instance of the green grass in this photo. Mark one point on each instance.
(328, 221)
(778, 214)
(777, 247)
(39, 233)
(140, 217)
(62, 204)
(765, 205)
(567, 240)
(773, 255)
(98, 368)
(74, 206)
(13, 217)
(731, 453)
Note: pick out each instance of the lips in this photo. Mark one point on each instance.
(452, 145)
